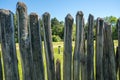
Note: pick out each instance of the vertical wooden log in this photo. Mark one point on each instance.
(99, 49)
(105, 56)
(36, 45)
(8, 45)
(48, 46)
(77, 51)
(67, 56)
(24, 42)
(58, 70)
(1, 75)
(90, 48)
(83, 61)
(117, 60)
(118, 27)
(110, 67)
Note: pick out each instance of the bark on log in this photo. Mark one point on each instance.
(67, 56)
(8, 45)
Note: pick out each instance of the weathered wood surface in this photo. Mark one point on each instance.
(83, 61)
(99, 48)
(8, 45)
(78, 45)
(117, 60)
(90, 48)
(48, 46)
(118, 27)
(24, 42)
(58, 70)
(67, 55)
(109, 67)
(1, 75)
(36, 46)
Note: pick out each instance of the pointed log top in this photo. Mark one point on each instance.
(21, 5)
(69, 17)
(33, 14)
(91, 16)
(46, 14)
(7, 12)
(80, 13)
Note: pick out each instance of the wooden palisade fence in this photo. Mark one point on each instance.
(102, 64)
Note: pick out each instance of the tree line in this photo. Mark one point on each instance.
(57, 28)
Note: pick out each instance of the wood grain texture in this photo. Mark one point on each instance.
(8, 45)
(90, 48)
(67, 54)
(24, 42)
(99, 48)
(48, 46)
(109, 66)
(58, 70)
(36, 46)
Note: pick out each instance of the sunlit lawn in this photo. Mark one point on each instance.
(56, 56)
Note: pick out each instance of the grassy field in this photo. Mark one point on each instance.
(56, 56)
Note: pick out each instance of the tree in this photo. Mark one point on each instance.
(57, 28)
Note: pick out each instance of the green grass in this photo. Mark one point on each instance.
(56, 56)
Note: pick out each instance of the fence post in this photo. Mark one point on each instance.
(48, 46)
(117, 60)
(36, 46)
(8, 45)
(99, 49)
(24, 42)
(67, 56)
(58, 70)
(118, 27)
(78, 43)
(110, 54)
(83, 61)
(90, 48)
(1, 75)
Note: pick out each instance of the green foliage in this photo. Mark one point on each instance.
(57, 28)
(56, 38)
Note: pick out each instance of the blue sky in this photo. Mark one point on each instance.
(60, 8)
